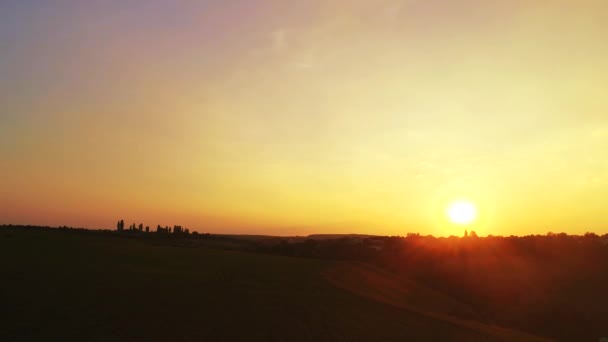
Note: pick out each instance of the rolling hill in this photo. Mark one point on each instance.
(59, 285)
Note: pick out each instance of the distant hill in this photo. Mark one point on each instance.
(336, 236)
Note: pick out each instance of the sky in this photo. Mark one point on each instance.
(297, 117)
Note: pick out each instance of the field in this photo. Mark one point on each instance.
(59, 285)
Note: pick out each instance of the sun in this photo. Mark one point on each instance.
(461, 212)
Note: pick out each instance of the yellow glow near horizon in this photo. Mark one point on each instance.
(462, 212)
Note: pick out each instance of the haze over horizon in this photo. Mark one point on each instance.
(304, 117)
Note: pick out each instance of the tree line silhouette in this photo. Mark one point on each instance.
(177, 230)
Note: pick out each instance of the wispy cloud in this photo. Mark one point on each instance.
(279, 39)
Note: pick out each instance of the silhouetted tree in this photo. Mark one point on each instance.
(147, 229)
(141, 227)
(120, 226)
(466, 233)
(589, 235)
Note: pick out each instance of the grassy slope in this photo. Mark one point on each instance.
(56, 285)
(381, 286)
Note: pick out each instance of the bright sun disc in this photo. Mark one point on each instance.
(462, 212)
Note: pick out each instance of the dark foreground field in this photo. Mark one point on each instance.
(57, 285)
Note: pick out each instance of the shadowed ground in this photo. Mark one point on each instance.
(61, 286)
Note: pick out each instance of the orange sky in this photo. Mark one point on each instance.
(293, 117)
